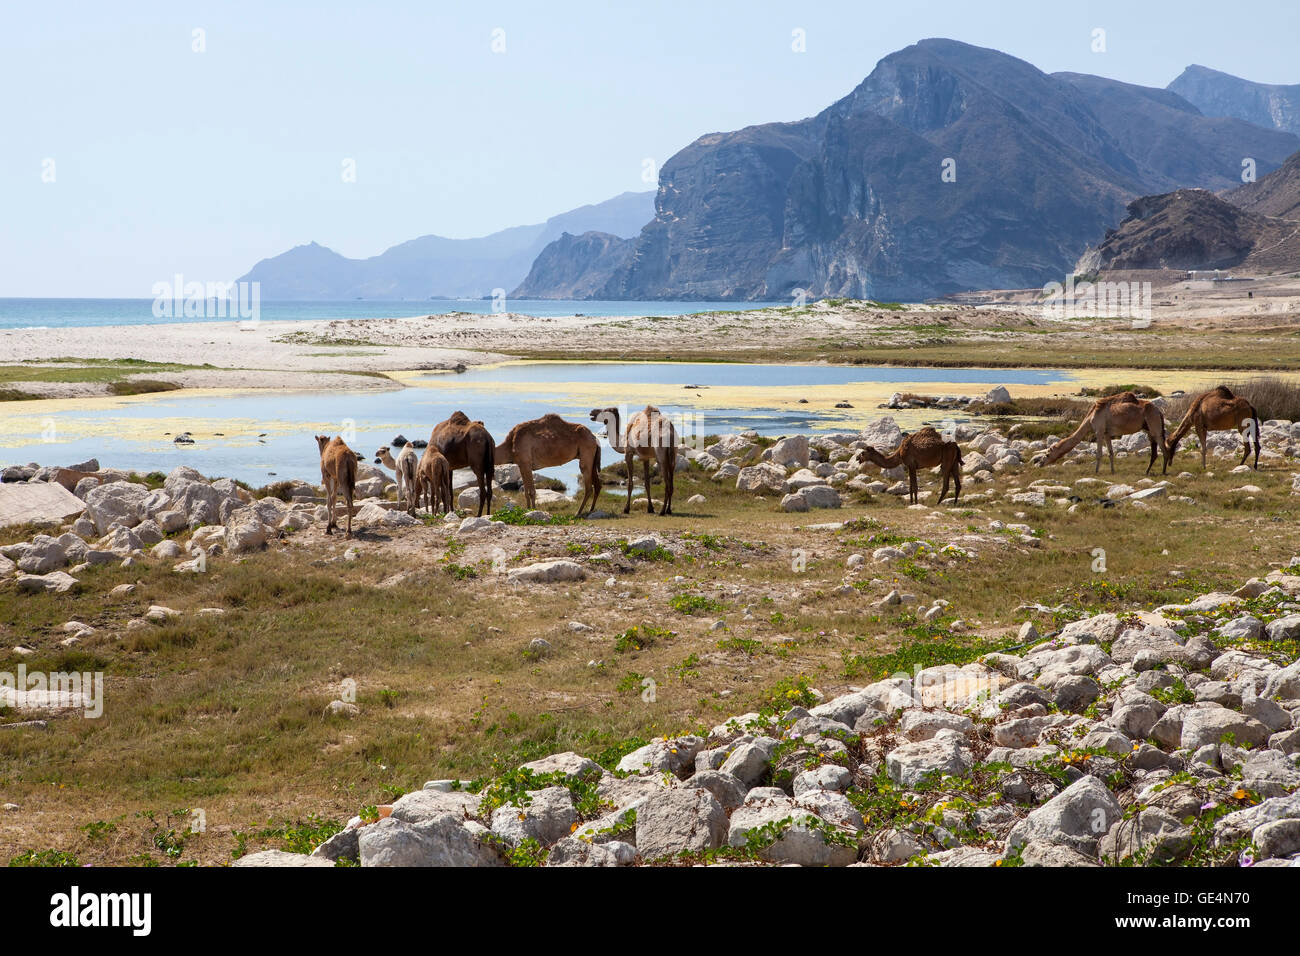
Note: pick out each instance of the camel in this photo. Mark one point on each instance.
(547, 442)
(650, 437)
(467, 444)
(1214, 411)
(433, 481)
(1120, 414)
(924, 448)
(404, 465)
(338, 473)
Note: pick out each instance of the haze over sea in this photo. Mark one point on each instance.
(81, 313)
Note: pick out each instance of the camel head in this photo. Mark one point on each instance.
(1051, 456)
(321, 442)
(385, 457)
(607, 417)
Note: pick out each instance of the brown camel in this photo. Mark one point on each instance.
(467, 444)
(924, 448)
(433, 481)
(650, 437)
(547, 442)
(1121, 414)
(405, 467)
(1214, 411)
(338, 474)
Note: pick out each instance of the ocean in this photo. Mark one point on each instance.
(82, 313)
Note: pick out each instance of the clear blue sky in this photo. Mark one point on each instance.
(167, 160)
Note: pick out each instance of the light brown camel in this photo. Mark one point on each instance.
(650, 437)
(467, 444)
(338, 474)
(433, 481)
(1214, 411)
(404, 465)
(924, 448)
(1120, 414)
(547, 442)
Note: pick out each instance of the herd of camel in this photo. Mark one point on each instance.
(547, 442)
(550, 441)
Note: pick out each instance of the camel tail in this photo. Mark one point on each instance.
(348, 478)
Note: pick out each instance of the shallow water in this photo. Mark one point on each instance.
(262, 437)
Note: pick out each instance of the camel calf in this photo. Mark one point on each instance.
(433, 480)
(405, 466)
(338, 474)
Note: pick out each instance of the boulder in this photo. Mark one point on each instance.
(790, 452)
(680, 821)
(944, 753)
(762, 478)
(119, 502)
(547, 817)
(1077, 817)
(441, 841)
(548, 572)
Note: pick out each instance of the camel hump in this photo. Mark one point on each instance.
(458, 418)
(651, 410)
(1223, 392)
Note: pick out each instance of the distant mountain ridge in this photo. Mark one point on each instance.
(854, 201)
(1222, 94)
(434, 266)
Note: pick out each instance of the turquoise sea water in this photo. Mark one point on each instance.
(76, 313)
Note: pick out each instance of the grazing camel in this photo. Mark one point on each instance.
(924, 448)
(1120, 414)
(404, 465)
(549, 441)
(338, 474)
(433, 481)
(1214, 411)
(650, 437)
(467, 444)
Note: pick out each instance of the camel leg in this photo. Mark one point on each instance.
(649, 500)
(956, 483)
(1097, 469)
(1151, 464)
(1110, 450)
(943, 492)
(911, 480)
(530, 489)
(329, 506)
(347, 500)
(631, 473)
(591, 484)
(595, 487)
(668, 466)
(1257, 448)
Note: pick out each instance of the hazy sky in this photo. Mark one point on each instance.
(169, 160)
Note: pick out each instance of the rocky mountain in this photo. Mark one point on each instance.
(433, 266)
(1277, 194)
(949, 168)
(1195, 229)
(1221, 94)
(575, 267)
